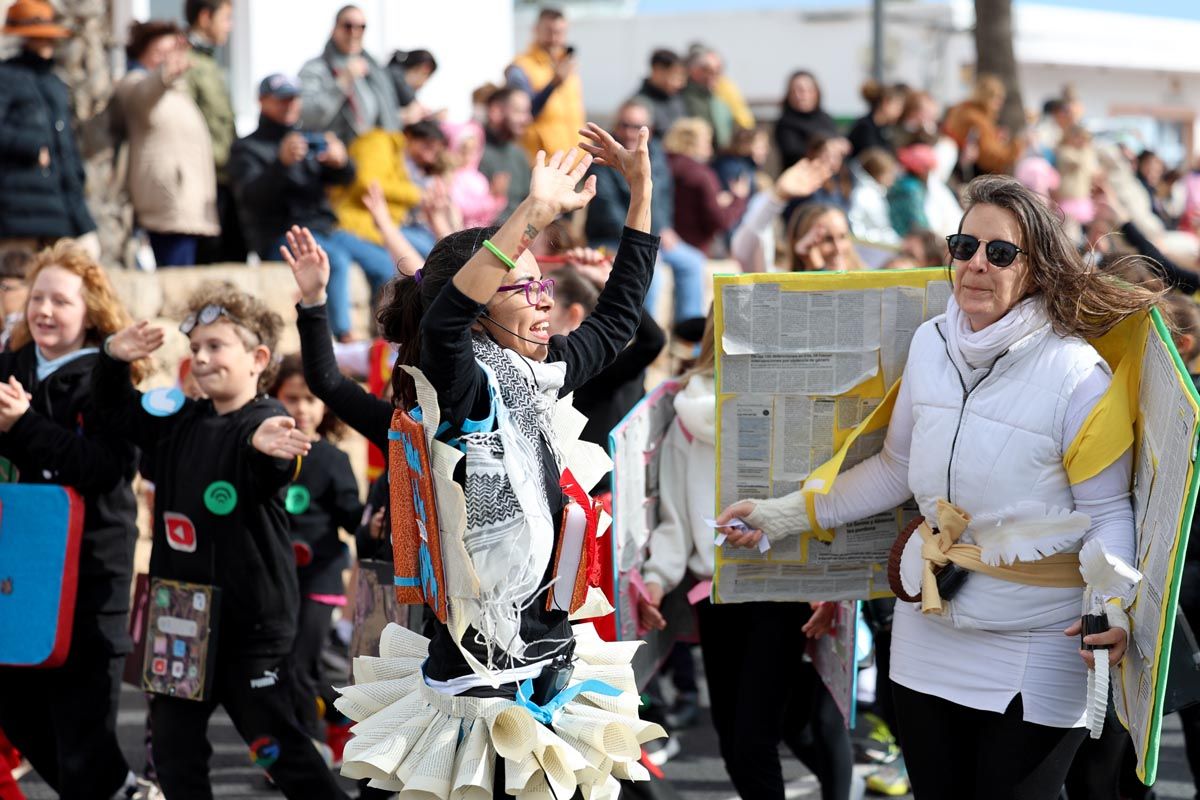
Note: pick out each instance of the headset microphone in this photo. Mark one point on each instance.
(490, 319)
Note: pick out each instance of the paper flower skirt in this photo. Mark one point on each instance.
(411, 739)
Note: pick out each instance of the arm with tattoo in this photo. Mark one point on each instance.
(551, 192)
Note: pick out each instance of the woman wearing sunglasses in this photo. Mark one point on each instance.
(475, 320)
(990, 681)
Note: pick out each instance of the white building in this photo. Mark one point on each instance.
(1131, 59)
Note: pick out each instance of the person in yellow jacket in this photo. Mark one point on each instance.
(546, 71)
(379, 156)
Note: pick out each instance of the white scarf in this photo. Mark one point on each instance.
(980, 348)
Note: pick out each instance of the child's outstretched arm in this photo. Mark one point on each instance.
(358, 408)
(273, 451)
(119, 404)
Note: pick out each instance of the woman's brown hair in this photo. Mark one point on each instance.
(104, 316)
(802, 221)
(1080, 300)
(706, 360)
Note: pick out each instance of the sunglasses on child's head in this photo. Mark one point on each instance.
(999, 253)
(207, 316)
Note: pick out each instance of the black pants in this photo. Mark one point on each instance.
(313, 630)
(230, 245)
(957, 753)
(763, 694)
(265, 717)
(1189, 603)
(1097, 769)
(64, 721)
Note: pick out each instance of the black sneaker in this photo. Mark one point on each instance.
(684, 711)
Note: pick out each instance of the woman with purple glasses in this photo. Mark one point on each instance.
(989, 692)
(475, 320)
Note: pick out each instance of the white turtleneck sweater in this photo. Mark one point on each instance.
(687, 494)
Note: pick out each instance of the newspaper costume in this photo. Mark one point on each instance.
(497, 540)
(990, 473)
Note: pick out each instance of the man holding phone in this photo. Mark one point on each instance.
(281, 175)
(547, 73)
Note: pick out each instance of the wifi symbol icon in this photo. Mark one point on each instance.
(220, 498)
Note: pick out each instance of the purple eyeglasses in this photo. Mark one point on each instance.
(533, 290)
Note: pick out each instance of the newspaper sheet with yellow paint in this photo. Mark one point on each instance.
(1164, 498)
(803, 361)
(807, 367)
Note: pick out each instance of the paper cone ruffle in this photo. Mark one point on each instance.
(410, 738)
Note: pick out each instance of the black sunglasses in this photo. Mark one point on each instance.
(999, 253)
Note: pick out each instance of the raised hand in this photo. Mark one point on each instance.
(279, 437)
(309, 263)
(377, 204)
(803, 178)
(634, 165)
(135, 342)
(553, 183)
(14, 402)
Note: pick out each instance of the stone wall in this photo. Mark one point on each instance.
(162, 296)
(88, 63)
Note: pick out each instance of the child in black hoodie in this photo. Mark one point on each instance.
(64, 719)
(323, 498)
(219, 466)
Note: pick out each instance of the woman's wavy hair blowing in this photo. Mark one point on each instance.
(1080, 300)
(104, 316)
(406, 298)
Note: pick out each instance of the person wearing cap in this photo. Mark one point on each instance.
(172, 178)
(346, 91)
(41, 171)
(281, 176)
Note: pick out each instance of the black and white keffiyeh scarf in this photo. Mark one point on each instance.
(510, 533)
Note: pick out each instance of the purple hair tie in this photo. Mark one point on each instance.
(419, 274)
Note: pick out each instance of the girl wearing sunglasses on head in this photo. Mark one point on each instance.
(989, 692)
(475, 320)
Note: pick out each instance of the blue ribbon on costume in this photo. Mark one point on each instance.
(545, 714)
(429, 584)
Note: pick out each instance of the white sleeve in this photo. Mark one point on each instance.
(1105, 496)
(876, 484)
(880, 482)
(669, 544)
(753, 242)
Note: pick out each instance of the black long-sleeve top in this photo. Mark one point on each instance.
(608, 397)
(62, 439)
(323, 498)
(448, 362)
(204, 533)
(1175, 276)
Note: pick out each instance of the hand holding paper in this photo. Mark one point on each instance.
(731, 529)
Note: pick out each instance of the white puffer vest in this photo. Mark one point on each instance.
(988, 441)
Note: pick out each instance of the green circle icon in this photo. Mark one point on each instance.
(162, 598)
(298, 499)
(220, 498)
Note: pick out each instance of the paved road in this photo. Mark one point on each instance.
(697, 772)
